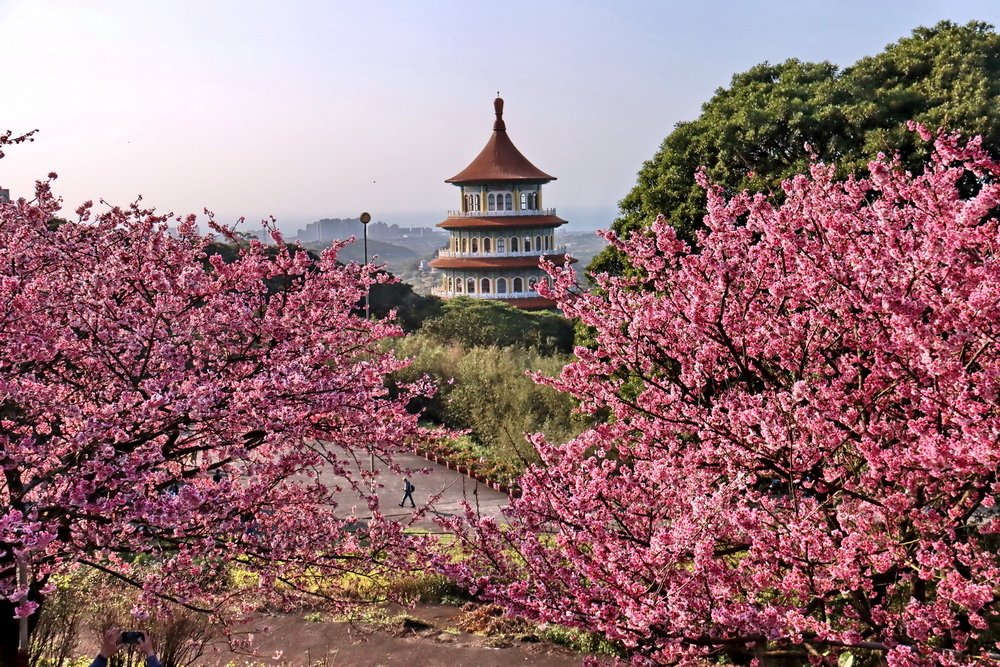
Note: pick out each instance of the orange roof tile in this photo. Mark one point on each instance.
(500, 160)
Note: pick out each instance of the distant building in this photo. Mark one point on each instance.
(261, 234)
(383, 232)
(4, 196)
(336, 229)
(501, 229)
(330, 229)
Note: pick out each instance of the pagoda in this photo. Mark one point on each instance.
(501, 231)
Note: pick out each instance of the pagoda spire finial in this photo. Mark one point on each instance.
(498, 107)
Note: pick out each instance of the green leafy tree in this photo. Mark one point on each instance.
(495, 398)
(755, 133)
(482, 323)
(411, 309)
(489, 391)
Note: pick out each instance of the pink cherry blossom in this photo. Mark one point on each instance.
(156, 401)
(801, 448)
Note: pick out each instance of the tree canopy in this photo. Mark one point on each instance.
(755, 133)
(165, 415)
(803, 454)
(481, 323)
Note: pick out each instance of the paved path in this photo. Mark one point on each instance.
(444, 489)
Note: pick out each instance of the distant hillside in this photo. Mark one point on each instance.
(582, 245)
(403, 262)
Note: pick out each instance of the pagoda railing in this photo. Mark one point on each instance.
(489, 295)
(559, 250)
(501, 214)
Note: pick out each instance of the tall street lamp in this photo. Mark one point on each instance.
(365, 218)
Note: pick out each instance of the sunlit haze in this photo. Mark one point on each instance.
(304, 110)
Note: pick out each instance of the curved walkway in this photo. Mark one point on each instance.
(441, 489)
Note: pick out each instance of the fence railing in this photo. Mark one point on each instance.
(558, 250)
(501, 214)
(445, 294)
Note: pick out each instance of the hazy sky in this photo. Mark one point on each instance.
(306, 109)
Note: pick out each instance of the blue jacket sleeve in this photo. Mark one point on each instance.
(101, 661)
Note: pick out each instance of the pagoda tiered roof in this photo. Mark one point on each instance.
(498, 262)
(470, 221)
(500, 160)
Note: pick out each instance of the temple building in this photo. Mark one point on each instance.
(501, 229)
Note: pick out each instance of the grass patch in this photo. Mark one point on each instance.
(580, 641)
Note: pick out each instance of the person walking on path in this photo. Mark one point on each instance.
(408, 490)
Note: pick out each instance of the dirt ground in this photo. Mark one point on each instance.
(434, 640)
(429, 639)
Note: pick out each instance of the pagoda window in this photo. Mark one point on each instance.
(513, 244)
(518, 285)
(492, 202)
(509, 201)
(458, 285)
(470, 285)
(475, 245)
(524, 200)
(548, 242)
(451, 284)
(501, 245)
(484, 286)
(486, 244)
(501, 285)
(527, 244)
(538, 243)
(465, 247)
(531, 283)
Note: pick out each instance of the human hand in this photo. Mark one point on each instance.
(110, 642)
(146, 645)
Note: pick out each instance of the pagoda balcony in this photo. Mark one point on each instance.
(451, 254)
(443, 293)
(501, 214)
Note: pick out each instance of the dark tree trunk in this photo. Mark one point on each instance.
(9, 633)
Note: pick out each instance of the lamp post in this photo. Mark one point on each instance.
(365, 218)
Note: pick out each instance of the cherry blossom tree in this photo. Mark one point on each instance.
(166, 416)
(802, 452)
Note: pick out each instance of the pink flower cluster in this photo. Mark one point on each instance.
(804, 435)
(161, 406)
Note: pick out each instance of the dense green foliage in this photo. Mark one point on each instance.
(478, 322)
(412, 309)
(753, 134)
(487, 391)
(480, 353)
